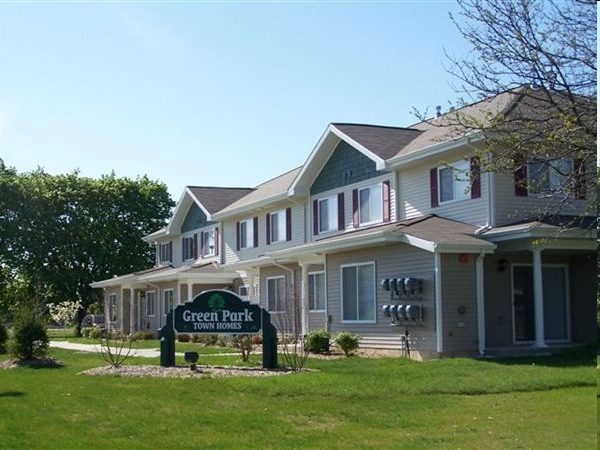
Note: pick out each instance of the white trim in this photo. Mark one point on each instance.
(479, 276)
(153, 304)
(379, 163)
(439, 329)
(318, 272)
(342, 267)
(267, 279)
(164, 310)
(377, 188)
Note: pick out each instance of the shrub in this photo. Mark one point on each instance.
(347, 342)
(146, 336)
(184, 337)
(317, 341)
(256, 339)
(206, 339)
(243, 343)
(30, 339)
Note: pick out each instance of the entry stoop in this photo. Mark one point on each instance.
(390, 345)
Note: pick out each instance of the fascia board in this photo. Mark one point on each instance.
(249, 207)
(379, 162)
(197, 202)
(461, 248)
(432, 150)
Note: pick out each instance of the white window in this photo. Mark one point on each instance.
(112, 307)
(547, 177)
(454, 181)
(278, 226)
(208, 243)
(165, 252)
(247, 234)
(150, 303)
(168, 301)
(370, 204)
(189, 247)
(316, 291)
(358, 293)
(328, 214)
(276, 294)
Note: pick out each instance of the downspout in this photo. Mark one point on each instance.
(480, 304)
(438, 302)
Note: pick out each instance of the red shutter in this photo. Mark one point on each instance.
(237, 235)
(268, 229)
(288, 224)
(385, 194)
(216, 241)
(315, 217)
(255, 222)
(433, 186)
(355, 216)
(475, 168)
(521, 180)
(579, 178)
(341, 214)
(196, 245)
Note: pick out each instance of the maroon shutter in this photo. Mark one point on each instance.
(196, 245)
(171, 251)
(268, 229)
(341, 215)
(521, 180)
(183, 255)
(216, 241)
(385, 194)
(579, 178)
(202, 240)
(433, 186)
(237, 234)
(288, 224)
(315, 217)
(255, 223)
(355, 216)
(475, 169)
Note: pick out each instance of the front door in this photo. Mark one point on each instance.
(556, 313)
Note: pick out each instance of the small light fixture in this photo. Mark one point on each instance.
(502, 263)
(463, 258)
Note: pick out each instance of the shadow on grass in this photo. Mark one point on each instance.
(11, 394)
(574, 357)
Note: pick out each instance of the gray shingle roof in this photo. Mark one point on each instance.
(383, 141)
(217, 198)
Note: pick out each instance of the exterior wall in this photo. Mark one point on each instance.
(398, 260)
(414, 198)
(194, 219)
(459, 304)
(583, 285)
(510, 208)
(287, 321)
(229, 234)
(498, 299)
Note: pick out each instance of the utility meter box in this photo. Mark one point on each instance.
(414, 313)
(386, 310)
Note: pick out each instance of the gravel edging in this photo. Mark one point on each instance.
(184, 371)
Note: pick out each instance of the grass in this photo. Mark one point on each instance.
(543, 402)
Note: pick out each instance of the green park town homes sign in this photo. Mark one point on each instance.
(217, 311)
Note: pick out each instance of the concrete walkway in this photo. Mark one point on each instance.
(95, 348)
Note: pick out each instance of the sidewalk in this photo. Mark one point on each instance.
(95, 348)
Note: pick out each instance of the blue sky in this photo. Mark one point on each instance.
(210, 93)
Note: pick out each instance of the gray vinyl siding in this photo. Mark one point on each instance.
(498, 308)
(583, 285)
(194, 219)
(396, 260)
(509, 208)
(232, 255)
(286, 321)
(459, 292)
(414, 198)
(345, 166)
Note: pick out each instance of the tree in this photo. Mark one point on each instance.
(541, 56)
(62, 232)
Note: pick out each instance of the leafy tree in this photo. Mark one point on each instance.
(62, 232)
(542, 52)
(30, 339)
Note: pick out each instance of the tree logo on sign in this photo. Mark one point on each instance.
(216, 302)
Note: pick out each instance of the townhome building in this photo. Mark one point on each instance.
(395, 234)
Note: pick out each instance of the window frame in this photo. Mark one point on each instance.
(549, 175)
(332, 214)
(460, 187)
(312, 291)
(164, 252)
(150, 312)
(277, 218)
(278, 302)
(113, 308)
(204, 236)
(375, 192)
(171, 300)
(373, 293)
(247, 232)
(188, 250)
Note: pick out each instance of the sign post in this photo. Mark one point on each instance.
(220, 312)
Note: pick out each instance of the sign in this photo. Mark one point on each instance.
(217, 312)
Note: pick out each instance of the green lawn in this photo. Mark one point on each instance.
(543, 402)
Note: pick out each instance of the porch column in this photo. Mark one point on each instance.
(189, 291)
(538, 299)
(480, 305)
(304, 306)
(131, 312)
(439, 329)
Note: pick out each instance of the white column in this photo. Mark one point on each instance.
(439, 330)
(304, 306)
(189, 291)
(480, 305)
(131, 317)
(538, 299)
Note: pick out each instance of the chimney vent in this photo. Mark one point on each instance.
(438, 111)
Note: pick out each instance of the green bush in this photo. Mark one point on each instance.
(317, 341)
(145, 336)
(206, 339)
(346, 342)
(184, 337)
(30, 339)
